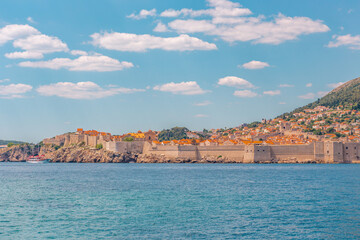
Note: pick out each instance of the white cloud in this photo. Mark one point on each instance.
(81, 90)
(257, 30)
(245, 94)
(183, 88)
(30, 20)
(37, 45)
(201, 116)
(143, 14)
(25, 54)
(335, 85)
(352, 42)
(78, 53)
(314, 95)
(272, 93)
(97, 63)
(141, 43)
(4, 80)
(160, 27)
(15, 31)
(286, 85)
(14, 90)
(192, 26)
(255, 65)
(201, 104)
(322, 93)
(309, 85)
(218, 8)
(308, 96)
(237, 82)
(231, 23)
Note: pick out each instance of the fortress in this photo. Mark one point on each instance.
(146, 144)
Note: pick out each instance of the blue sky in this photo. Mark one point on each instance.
(122, 66)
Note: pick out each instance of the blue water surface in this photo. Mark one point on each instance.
(179, 201)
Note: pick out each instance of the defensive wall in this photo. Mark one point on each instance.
(320, 152)
(125, 147)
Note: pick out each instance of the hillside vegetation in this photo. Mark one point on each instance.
(346, 95)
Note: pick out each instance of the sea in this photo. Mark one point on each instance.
(179, 201)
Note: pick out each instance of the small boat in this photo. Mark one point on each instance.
(37, 159)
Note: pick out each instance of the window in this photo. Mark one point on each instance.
(347, 148)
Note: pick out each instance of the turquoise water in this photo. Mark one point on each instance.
(179, 201)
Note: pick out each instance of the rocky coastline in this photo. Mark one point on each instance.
(85, 154)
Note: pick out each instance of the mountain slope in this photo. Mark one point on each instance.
(348, 94)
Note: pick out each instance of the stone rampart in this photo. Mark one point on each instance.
(293, 153)
(125, 147)
(320, 152)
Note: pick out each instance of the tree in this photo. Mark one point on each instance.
(128, 139)
(175, 133)
(99, 146)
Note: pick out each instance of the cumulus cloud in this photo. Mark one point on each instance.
(78, 53)
(15, 31)
(97, 63)
(335, 85)
(37, 45)
(25, 55)
(232, 23)
(192, 26)
(141, 43)
(309, 85)
(160, 27)
(237, 82)
(272, 93)
(143, 14)
(352, 42)
(286, 85)
(245, 94)
(308, 96)
(183, 88)
(82, 90)
(256, 30)
(255, 65)
(217, 8)
(14, 90)
(201, 104)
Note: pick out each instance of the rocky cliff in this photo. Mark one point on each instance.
(16, 153)
(79, 154)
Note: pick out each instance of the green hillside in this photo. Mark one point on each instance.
(346, 95)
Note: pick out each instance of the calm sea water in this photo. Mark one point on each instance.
(179, 201)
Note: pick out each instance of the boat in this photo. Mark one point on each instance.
(37, 159)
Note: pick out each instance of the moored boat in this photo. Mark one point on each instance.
(37, 159)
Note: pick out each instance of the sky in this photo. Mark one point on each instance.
(126, 65)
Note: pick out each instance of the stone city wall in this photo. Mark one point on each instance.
(320, 152)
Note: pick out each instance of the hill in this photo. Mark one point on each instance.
(347, 95)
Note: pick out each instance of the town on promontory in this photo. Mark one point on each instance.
(325, 131)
